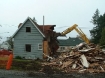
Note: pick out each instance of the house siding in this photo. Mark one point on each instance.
(33, 38)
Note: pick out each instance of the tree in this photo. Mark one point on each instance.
(102, 40)
(99, 23)
(95, 17)
(9, 40)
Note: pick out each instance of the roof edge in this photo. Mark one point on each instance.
(22, 26)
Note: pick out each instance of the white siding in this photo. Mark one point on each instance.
(34, 38)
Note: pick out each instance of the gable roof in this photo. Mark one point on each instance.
(70, 42)
(44, 27)
(34, 23)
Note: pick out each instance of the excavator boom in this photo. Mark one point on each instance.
(78, 30)
(69, 29)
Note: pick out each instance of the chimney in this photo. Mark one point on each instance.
(34, 19)
(20, 25)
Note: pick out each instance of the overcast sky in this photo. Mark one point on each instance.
(62, 13)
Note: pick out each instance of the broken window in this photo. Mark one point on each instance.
(40, 46)
(28, 48)
(28, 29)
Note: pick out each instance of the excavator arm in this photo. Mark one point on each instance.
(82, 35)
(78, 30)
(69, 30)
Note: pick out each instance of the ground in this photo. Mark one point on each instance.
(31, 74)
(35, 69)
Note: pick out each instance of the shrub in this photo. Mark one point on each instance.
(18, 57)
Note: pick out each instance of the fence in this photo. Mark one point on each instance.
(6, 58)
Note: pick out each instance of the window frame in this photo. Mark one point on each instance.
(29, 47)
(40, 46)
(62, 48)
(28, 29)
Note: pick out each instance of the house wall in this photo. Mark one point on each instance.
(22, 37)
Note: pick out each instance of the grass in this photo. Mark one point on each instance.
(22, 64)
(33, 65)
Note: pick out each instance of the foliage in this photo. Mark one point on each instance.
(10, 42)
(99, 23)
(95, 17)
(102, 40)
(18, 57)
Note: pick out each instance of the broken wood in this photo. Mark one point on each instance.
(90, 57)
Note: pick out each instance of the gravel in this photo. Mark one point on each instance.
(31, 74)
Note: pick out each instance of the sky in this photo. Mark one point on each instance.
(62, 13)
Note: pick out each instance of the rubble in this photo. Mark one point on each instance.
(90, 59)
(84, 61)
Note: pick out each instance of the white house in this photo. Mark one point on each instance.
(5, 45)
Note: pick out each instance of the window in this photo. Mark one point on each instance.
(28, 48)
(62, 48)
(40, 46)
(28, 29)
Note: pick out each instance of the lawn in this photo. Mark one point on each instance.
(23, 64)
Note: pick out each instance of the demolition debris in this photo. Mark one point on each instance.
(83, 58)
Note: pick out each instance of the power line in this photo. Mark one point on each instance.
(69, 26)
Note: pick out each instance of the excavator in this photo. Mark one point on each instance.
(78, 30)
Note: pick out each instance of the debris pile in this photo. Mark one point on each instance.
(82, 59)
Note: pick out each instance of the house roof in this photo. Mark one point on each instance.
(46, 28)
(70, 42)
(39, 27)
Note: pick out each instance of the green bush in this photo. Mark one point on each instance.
(18, 57)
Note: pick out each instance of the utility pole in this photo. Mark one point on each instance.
(43, 23)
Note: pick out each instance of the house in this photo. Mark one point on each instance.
(32, 40)
(5, 45)
(66, 44)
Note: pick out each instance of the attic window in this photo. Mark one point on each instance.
(28, 29)
(28, 48)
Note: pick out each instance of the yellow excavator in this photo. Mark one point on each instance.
(78, 30)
